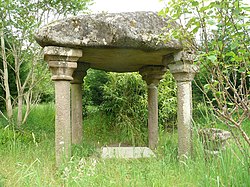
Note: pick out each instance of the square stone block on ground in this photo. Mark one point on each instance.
(127, 152)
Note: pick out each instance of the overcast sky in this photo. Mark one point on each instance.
(129, 5)
(126, 5)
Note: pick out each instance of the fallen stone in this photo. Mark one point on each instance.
(214, 140)
(127, 152)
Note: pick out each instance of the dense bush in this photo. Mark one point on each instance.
(93, 87)
(167, 101)
(9, 136)
(125, 100)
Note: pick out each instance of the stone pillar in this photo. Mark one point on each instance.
(76, 102)
(183, 70)
(62, 62)
(152, 75)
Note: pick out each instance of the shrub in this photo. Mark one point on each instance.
(167, 101)
(218, 33)
(125, 99)
(93, 86)
(8, 136)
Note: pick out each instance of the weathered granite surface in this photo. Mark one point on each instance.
(214, 140)
(120, 42)
(123, 30)
(127, 152)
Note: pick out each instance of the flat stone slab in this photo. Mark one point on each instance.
(137, 30)
(127, 152)
(119, 42)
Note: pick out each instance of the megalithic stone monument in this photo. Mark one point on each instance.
(118, 42)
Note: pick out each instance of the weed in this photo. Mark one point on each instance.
(26, 163)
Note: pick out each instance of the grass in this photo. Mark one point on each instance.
(27, 159)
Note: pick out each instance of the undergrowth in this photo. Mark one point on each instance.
(27, 159)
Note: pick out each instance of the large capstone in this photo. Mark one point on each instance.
(126, 30)
(118, 42)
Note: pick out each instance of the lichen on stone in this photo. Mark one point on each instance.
(139, 30)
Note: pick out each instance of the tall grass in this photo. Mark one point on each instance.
(28, 162)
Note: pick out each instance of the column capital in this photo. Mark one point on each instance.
(181, 56)
(79, 73)
(181, 66)
(62, 61)
(152, 74)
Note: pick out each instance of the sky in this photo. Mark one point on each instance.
(126, 5)
(129, 5)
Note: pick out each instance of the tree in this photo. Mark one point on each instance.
(217, 31)
(5, 77)
(19, 51)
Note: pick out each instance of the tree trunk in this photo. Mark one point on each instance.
(28, 99)
(20, 110)
(8, 104)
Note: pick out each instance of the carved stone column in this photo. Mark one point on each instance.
(76, 102)
(62, 62)
(183, 70)
(152, 75)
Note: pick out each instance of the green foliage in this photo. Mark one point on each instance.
(216, 30)
(9, 136)
(167, 101)
(100, 132)
(29, 77)
(39, 125)
(64, 7)
(44, 88)
(93, 86)
(125, 100)
(218, 33)
(41, 121)
(1, 181)
(26, 163)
